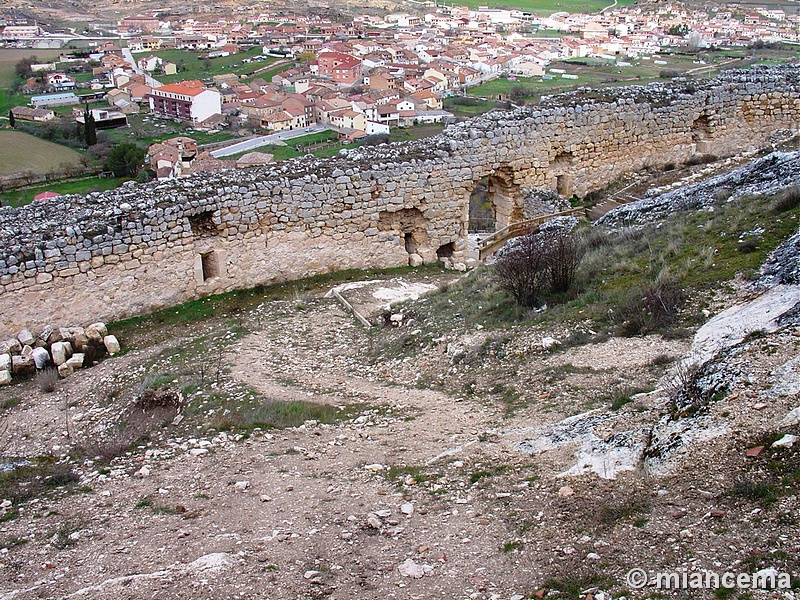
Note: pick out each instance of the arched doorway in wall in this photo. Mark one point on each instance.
(495, 202)
(560, 173)
(481, 209)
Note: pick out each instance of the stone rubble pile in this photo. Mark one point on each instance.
(63, 348)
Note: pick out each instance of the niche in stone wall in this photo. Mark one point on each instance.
(560, 172)
(701, 128)
(203, 223)
(481, 209)
(445, 251)
(701, 134)
(209, 266)
(410, 224)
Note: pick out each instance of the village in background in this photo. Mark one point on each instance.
(156, 96)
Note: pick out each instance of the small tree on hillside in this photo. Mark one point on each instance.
(23, 66)
(125, 160)
(11, 120)
(306, 57)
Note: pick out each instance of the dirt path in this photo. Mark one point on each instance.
(418, 479)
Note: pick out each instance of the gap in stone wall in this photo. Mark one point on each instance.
(445, 251)
(203, 223)
(481, 208)
(410, 224)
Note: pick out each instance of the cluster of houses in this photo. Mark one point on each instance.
(642, 28)
(364, 76)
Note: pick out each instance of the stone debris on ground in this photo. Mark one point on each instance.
(62, 348)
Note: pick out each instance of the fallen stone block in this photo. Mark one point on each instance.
(53, 335)
(96, 332)
(79, 337)
(22, 365)
(26, 338)
(11, 347)
(60, 352)
(64, 370)
(5, 362)
(41, 357)
(76, 360)
(111, 344)
(5, 377)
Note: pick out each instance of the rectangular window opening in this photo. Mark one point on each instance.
(209, 265)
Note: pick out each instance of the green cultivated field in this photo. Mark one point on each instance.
(22, 152)
(191, 66)
(145, 130)
(8, 60)
(81, 186)
(596, 73)
(10, 57)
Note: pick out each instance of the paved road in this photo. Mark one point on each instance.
(128, 55)
(277, 139)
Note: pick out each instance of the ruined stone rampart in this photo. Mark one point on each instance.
(143, 247)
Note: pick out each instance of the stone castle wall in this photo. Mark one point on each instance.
(144, 247)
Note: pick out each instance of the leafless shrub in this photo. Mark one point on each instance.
(565, 252)
(686, 390)
(661, 360)
(651, 307)
(539, 262)
(788, 199)
(47, 380)
(522, 270)
(151, 399)
(723, 194)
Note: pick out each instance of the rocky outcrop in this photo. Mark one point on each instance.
(767, 175)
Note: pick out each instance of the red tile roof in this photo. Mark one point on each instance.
(187, 88)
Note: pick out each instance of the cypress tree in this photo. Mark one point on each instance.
(90, 129)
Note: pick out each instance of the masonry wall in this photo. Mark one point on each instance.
(144, 247)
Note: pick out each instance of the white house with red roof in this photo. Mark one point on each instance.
(186, 101)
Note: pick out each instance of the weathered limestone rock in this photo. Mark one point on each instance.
(76, 360)
(53, 335)
(22, 365)
(78, 337)
(41, 357)
(5, 377)
(64, 370)
(414, 260)
(11, 347)
(96, 332)
(25, 337)
(111, 344)
(5, 362)
(60, 352)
